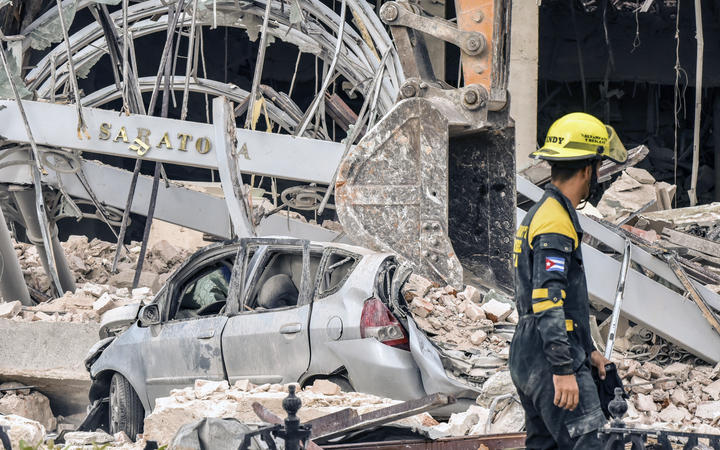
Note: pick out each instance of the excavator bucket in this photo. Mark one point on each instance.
(438, 200)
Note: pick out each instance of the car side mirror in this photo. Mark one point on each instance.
(149, 315)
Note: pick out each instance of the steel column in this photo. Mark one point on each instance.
(12, 283)
(26, 204)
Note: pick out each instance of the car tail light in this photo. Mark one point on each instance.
(378, 322)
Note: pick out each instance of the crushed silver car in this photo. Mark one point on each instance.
(270, 310)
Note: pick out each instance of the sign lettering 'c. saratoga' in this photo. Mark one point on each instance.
(142, 144)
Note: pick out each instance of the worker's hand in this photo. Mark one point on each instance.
(598, 360)
(567, 393)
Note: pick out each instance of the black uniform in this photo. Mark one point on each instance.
(553, 333)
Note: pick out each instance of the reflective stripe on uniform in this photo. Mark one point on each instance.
(569, 325)
(544, 293)
(545, 305)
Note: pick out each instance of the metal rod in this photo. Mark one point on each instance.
(148, 225)
(320, 96)
(619, 291)
(37, 182)
(125, 69)
(188, 63)
(172, 23)
(126, 215)
(259, 62)
(158, 166)
(692, 193)
(12, 282)
(82, 126)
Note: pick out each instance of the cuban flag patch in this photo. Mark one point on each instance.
(553, 264)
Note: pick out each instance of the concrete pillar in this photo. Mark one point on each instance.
(12, 283)
(523, 81)
(26, 204)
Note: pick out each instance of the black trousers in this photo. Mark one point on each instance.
(549, 427)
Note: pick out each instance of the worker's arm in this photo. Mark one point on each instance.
(551, 261)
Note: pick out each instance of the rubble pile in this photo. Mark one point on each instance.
(91, 261)
(635, 190)
(87, 303)
(27, 403)
(218, 399)
(683, 397)
(471, 329)
(98, 290)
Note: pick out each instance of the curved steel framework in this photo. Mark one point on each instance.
(358, 60)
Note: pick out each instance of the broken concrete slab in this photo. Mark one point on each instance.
(34, 406)
(88, 438)
(645, 403)
(21, 429)
(496, 311)
(708, 410)
(11, 309)
(50, 357)
(674, 414)
(325, 387)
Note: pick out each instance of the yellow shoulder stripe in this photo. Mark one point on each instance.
(552, 217)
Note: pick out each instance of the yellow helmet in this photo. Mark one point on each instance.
(578, 136)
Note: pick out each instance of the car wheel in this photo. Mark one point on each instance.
(126, 411)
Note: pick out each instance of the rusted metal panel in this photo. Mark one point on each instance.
(490, 442)
(392, 190)
(488, 68)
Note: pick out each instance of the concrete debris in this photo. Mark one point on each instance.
(88, 438)
(497, 311)
(686, 402)
(325, 387)
(471, 421)
(511, 419)
(472, 328)
(497, 385)
(18, 428)
(90, 262)
(217, 399)
(10, 309)
(635, 189)
(30, 405)
(98, 290)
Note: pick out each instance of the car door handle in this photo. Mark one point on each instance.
(206, 334)
(293, 328)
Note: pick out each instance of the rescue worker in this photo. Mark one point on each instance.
(551, 352)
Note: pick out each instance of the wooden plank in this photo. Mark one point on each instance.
(693, 242)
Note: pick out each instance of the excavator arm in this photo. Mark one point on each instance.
(434, 179)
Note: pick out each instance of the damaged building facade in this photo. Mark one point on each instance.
(376, 136)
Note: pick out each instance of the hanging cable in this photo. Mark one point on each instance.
(82, 126)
